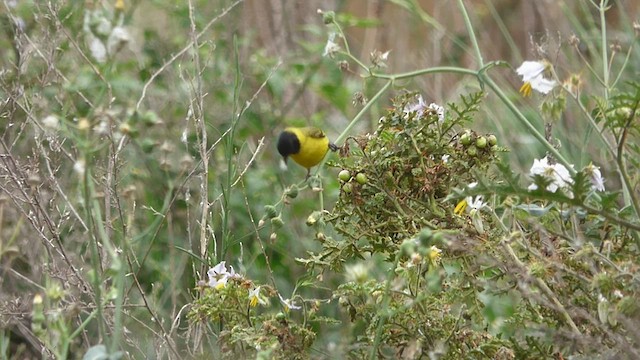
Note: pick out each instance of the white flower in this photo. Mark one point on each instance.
(595, 176)
(470, 204)
(79, 167)
(219, 276)
(102, 128)
(101, 24)
(358, 272)
(421, 107)
(474, 203)
(97, 48)
(51, 123)
(288, 304)
(331, 47)
(418, 107)
(557, 174)
(532, 73)
(439, 110)
(255, 298)
(445, 158)
(118, 38)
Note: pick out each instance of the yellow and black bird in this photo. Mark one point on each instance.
(307, 146)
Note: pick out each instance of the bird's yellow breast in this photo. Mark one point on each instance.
(314, 145)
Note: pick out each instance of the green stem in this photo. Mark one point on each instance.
(431, 70)
(472, 34)
(95, 252)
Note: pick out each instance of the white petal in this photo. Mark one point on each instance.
(530, 69)
(542, 85)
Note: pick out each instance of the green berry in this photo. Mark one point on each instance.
(344, 175)
(347, 188)
(465, 139)
(472, 151)
(481, 142)
(492, 139)
(361, 178)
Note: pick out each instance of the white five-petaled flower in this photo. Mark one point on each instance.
(595, 176)
(470, 204)
(288, 304)
(219, 275)
(421, 107)
(254, 297)
(557, 174)
(532, 73)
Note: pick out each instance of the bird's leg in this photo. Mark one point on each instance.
(333, 147)
(308, 174)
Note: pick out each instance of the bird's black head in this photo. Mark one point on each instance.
(288, 144)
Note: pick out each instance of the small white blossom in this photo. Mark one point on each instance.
(118, 38)
(51, 123)
(102, 128)
(102, 25)
(418, 107)
(445, 158)
(219, 275)
(532, 73)
(79, 167)
(439, 110)
(474, 203)
(595, 176)
(557, 174)
(97, 48)
(288, 304)
(421, 107)
(358, 272)
(255, 298)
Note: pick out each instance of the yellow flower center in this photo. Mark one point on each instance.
(525, 89)
(460, 208)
